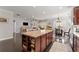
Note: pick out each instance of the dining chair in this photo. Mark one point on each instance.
(58, 32)
(67, 33)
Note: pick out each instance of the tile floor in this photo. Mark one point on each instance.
(60, 47)
(61, 44)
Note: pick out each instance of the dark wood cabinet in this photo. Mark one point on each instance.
(43, 42)
(49, 37)
(76, 16)
(24, 43)
(36, 44)
(76, 44)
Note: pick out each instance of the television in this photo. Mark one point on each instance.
(25, 23)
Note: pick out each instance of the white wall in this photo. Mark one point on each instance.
(6, 28)
(67, 21)
(19, 23)
(65, 17)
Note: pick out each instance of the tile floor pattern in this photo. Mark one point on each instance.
(61, 44)
(60, 47)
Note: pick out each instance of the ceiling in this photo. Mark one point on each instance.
(36, 11)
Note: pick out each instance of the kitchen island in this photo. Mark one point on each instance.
(36, 41)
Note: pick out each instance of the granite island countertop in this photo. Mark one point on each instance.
(36, 34)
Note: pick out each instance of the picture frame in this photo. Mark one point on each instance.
(2, 19)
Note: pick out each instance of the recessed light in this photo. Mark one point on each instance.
(33, 16)
(60, 7)
(44, 12)
(34, 6)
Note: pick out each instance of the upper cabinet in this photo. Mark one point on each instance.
(76, 16)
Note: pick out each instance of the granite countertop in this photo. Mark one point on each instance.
(36, 33)
(76, 33)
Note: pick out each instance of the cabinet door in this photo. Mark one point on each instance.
(76, 14)
(74, 43)
(37, 44)
(24, 43)
(43, 42)
(77, 44)
(49, 38)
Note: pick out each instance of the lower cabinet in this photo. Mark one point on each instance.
(43, 42)
(49, 38)
(75, 44)
(38, 44)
